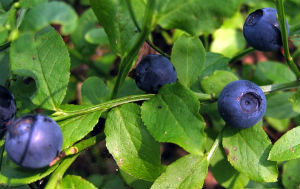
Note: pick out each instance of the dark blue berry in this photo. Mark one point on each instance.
(261, 30)
(242, 104)
(7, 108)
(33, 141)
(153, 72)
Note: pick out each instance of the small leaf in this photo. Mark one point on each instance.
(280, 73)
(287, 147)
(215, 83)
(94, 91)
(43, 57)
(75, 128)
(31, 3)
(248, 154)
(43, 14)
(114, 16)
(132, 147)
(188, 57)
(173, 116)
(74, 181)
(291, 174)
(278, 106)
(280, 125)
(295, 101)
(96, 36)
(187, 172)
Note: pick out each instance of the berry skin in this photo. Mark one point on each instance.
(7, 108)
(242, 104)
(261, 30)
(154, 71)
(33, 141)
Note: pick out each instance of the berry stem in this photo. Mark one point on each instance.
(61, 115)
(128, 2)
(128, 58)
(241, 54)
(282, 25)
(282, 86)
(214, 147)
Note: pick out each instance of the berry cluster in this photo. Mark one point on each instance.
(31, 141)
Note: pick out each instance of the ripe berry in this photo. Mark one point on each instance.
(7, 108)
(154, 71)
(33, 141)
(261, 30)
(242, 104)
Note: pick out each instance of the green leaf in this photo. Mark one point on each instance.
(86, 22)
(279, 107)
(187, 172)
(188, 57)
(43, 57)
(43, 14)
(94, 91)
(114, 16)
(227, 41)
(280, 125)
(213, 62)
(75, 128)
(74, 181)
(14, 175)
(295, 101)
(133, 148)
(172, 116)
(248, 154)
(134, 182)
(280, 73)
(223, 172)
(287, 147)
(195, 16)
(31, 3)
(4, 68)
(215, 83)
(96, 36)
(291, 174)
(263, 185)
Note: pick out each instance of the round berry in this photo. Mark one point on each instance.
(7, 107)
(153, 72)
(33, 141)
(242, 104)
(261, 30)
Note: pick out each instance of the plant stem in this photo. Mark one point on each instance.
(204, 96)
(283, 86)
(139, 29)
(282, 25)
(214, 147)
(128, 58)
(241, 54)
(82, 145)
(61, 115)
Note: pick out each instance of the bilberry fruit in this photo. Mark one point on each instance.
(7, 108)
(154, 71)
(261, 30)
(33, 141)
(242, 104)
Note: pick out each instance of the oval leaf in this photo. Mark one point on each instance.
(287, 147)
(247, 150)
(291, 174)
(172, 116)
(133, 148)
(53, 12)
(187, 172)
(188, 57)
(45, 58)
(74, 181)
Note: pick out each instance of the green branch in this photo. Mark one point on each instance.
(61, 115)
(214, 147)
(127, 59)
(283, 86)
(283, 30)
